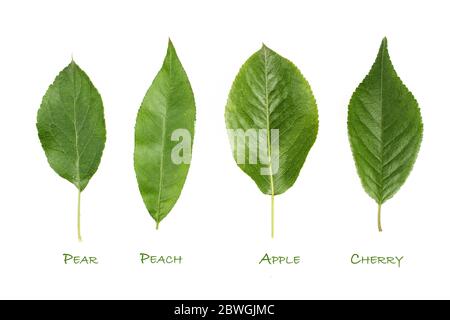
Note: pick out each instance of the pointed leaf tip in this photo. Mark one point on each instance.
(265, 47)
(171, 49)
(384, 43)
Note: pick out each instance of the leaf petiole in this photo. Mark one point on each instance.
(379, 218)
(79, 216)
(273, 215)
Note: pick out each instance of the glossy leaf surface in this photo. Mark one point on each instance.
(71, 126)
(385, 129)
(272, 121)
(168, 108)
(269, 93)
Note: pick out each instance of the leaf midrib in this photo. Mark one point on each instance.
(380, 200)
(268, 133)
(163, 142)
(77, 151)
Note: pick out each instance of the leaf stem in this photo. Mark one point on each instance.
(273, 215)
(157, 225)
(379, 218)
(79, 216)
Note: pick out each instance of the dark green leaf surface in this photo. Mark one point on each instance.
(71, 126)
(385, 129)
(269, 92)
(168, 105)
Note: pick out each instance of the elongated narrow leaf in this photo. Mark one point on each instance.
(71, 127)
(385, 130)
(272, 121)
(163, 137)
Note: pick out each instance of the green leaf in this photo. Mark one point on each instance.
(385, 130)
(271, 102)
(164, 134)
(71, 127)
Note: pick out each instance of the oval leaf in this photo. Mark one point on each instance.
(272, 120)
(71, 127)
(385, 130)
(164, 134)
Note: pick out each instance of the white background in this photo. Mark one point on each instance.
(221, 223)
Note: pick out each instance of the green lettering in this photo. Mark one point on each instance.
(266, 258)
(144, 257)
(355, 259)
(177, 259)
(399, 260)
(67, 257)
